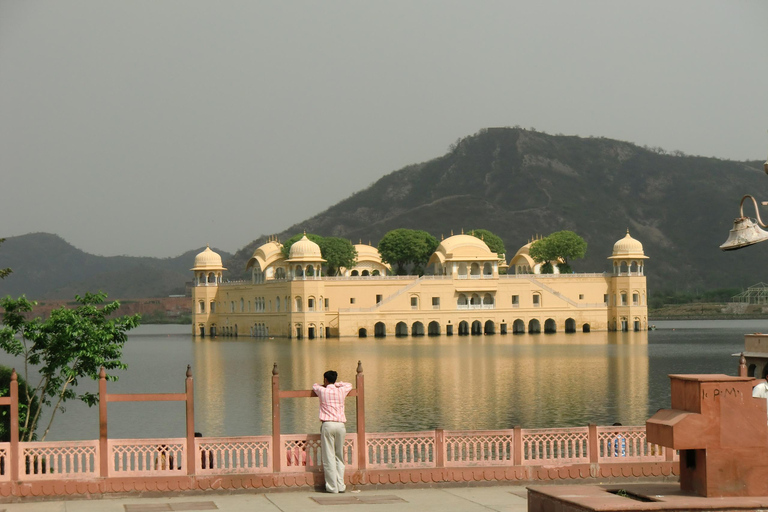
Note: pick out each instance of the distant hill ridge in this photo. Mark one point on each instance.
(45, 266)
(512, 181)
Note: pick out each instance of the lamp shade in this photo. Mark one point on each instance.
(745, 232)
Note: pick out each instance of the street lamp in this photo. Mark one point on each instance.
(746, 231)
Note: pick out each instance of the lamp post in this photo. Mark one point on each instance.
(746, 231)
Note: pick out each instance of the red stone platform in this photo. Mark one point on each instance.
(573, 498)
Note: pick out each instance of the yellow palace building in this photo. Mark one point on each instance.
(462, 293)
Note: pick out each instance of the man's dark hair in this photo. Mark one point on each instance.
(330, 376)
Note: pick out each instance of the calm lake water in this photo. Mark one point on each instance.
(456, 382)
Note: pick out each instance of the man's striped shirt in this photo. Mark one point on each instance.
(332, 400)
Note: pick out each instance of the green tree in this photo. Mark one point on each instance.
(295, 238)
(68, 346)
(558, 248)
(25, 397)
(494, 242)
(337, 252)
(401, 247)
(4, 271)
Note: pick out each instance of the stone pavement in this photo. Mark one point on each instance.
(469, 499)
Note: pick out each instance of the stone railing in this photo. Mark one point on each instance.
(106, 466)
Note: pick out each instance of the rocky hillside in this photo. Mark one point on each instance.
(518, 183)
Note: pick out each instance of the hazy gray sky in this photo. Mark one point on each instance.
(153, 127)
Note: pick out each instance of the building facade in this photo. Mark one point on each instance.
(462, 293)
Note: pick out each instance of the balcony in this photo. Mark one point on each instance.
(475, 306)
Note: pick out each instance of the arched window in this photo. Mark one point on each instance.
(202, 306)
(355, 273)
(462, 300)
(488, 299)
(475, 269)
(277, 303)
(211, 277)
(298, 304)
(375, 273)
(213, 307)
(242, 305)
(487, 269)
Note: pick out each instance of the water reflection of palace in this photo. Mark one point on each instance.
(463, 292)
(489, 382)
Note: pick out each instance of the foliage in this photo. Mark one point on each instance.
(402, 247)
(337, 252)
(68, 346)
(295, 238)
(660, 298)
(4, 271)
(494, 242)
(558, 247)
(25, 397)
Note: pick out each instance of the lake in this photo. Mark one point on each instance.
(451, 382)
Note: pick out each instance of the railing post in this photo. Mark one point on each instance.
(362, 449)
(190, 391)
(592, 445)
(13, 459)
(103, 448)
(276, 445)
(517, 440)
(439, 448)
(742, 366)
(669, 454)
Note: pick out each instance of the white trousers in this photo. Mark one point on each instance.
(332, 434)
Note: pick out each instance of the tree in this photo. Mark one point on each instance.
(337, 252)
(68, 346)
(401, 247)
(494, 242)
(25, 392)
(4, 271)
(558, 247)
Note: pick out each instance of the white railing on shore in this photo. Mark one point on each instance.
(77, 460)
(553, 276)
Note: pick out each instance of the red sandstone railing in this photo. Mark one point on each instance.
(117, 465)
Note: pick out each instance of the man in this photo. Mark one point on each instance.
(761, 390)
(332, 430)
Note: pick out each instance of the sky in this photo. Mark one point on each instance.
(149, 128)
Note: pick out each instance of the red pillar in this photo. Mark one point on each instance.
(190, 391)
(439, 448)
(592, 446)
(103, 448)
(276, 445)
(362, 449)
(517, 436)
(13, 461)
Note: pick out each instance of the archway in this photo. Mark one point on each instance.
(474, 269)
(462, 300)
(375, 273)
(637, 324)
(463, 328)
(379, 330)
(490, 327)
(355, 273)
(487, 269)
(401, 329)
(433, 329)
(488, 299)
(550, 326)
(311, 331)
(534, 327)
(417, 329)
(202, 330)
(477, 328)
(366, 273)
(585, 328)
(362, 333)
(570, 325)
(751, 370)
(518, 327)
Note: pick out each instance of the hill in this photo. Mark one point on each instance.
(47, 267)
(518, 183)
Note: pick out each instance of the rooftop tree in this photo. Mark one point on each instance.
(70, 345)
(337, 253)
(494, 242)
(402, 247)
(558, 248)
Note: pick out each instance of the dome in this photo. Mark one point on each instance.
(628, 247)
(367, 252)
(305, 250)
(452, 243)
(208, 260)
(266, 255)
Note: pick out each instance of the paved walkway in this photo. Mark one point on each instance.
(469, 499)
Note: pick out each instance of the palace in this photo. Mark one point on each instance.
(463, 293)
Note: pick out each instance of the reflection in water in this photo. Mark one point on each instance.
(456, 382)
